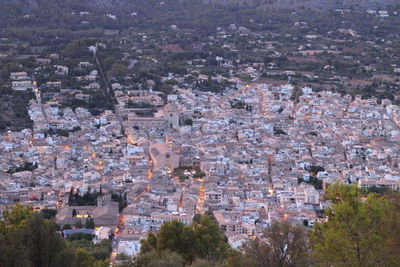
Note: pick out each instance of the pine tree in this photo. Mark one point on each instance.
(89, 223)
(78, 224)
(359, 230)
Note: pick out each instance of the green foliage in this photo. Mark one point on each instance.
(88, 199)
(212, 86)
(198, 173)
(79, 48)
(78, 224)
(157, 259)
(148, 244)
(339, 192)
(84, 259)
(200, 240)
(98, 102)
(359, 231)
(122, 203)
(28, 239)
(100, 251)
(279, 131)
(48, 213)
(177, 237)
(208, 241)
(197, 217)
(287, 246)
(16, 217)
(118, 71)
(376, 190)
(89, 223)
(28, 166)
(43, 243)
(131, 104)
(179, 171)
(235, 258)
(238, 105)
(188, 122)
(61, 132)
(313, 181)
(313, 177)
(257, 253)
(80, 236)
(316, 169)
(200, 263)
(13, 110)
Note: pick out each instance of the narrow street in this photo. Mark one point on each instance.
(109, 91)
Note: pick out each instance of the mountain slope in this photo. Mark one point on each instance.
(318, 4)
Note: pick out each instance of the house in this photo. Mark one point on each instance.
(162, 156)
(22, 85)
(43, 61)
(19, 76)
(94, 85)
(102, 233)
(129, 247)
(61, 70)
(53, 84)
(104, 214)
(171, 116)
(84, 64)
(146, 122)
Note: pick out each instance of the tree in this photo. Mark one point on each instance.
(79, 48)
(71, 195)
(285, 245)
(80, 236)
(339, 192)
(83, 258)
(289, 244)
(42, 242)
(28, 239)
(208, 241)
(165, 259)
(188, 122)
(122, 203)
(117, 70)
(257, 253)
(177, 237)
(48, 213)
(202, 239)
(78, 224)
(102, 250)
(359, 231)
(148, 244)
(89, 223)
(200, 263)
(236, 258)
(16, 217)
(196, 217)
(12, 250)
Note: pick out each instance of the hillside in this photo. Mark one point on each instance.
(60, 13)
(27, 5)
(317, 4)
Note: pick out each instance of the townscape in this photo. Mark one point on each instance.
(251, 155)
(127, 122)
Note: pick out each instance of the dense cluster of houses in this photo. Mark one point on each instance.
(267, 158)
